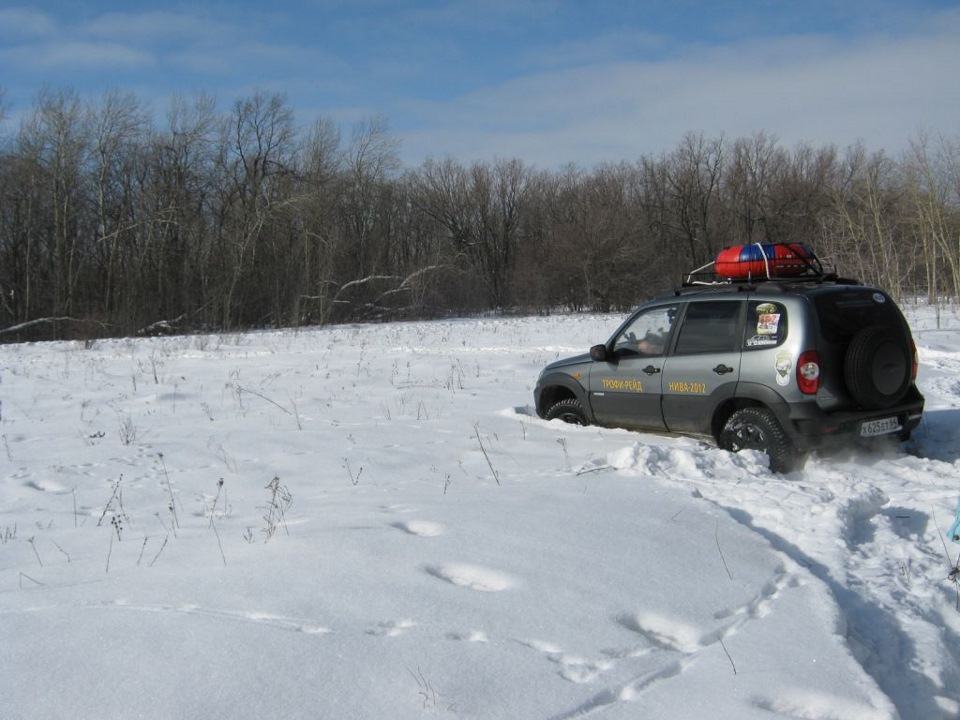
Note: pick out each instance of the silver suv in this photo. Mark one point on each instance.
(782, 365)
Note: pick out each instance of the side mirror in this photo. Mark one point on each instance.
(598, 353)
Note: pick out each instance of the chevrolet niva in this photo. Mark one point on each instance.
(772, 355)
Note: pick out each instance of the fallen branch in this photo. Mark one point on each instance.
(43, 321)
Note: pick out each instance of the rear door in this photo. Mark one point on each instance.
(704, 366)
(843, 313)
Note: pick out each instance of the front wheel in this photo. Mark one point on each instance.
(569, 410)
(756, 428)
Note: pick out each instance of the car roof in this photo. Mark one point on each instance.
(764, 289)
(771, 287)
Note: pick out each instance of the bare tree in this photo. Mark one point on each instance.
(685, 215)
(255, 158)
(597, 219)
(869, 207)
(932, 177)
(440, 190)
(480, 209)
(694, 176)
(370, 161)
(243, 219)
(499, 194)
(181, 191)
(117, 126)
(317, 209)
(55, 145)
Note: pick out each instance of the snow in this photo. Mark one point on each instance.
(371, 522)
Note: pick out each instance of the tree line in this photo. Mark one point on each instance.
(114, 223)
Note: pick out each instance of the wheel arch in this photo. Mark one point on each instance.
(559, 386)
(747, 395)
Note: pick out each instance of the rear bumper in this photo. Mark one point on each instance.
(809, 427)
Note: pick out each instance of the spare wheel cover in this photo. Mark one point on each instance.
(877, 367)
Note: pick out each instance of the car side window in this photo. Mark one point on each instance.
(766, 325)
(647, 334)
(709, 327)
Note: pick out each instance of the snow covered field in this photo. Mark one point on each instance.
(370, 522)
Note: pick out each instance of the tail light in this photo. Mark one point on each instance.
(808, 372)
(916, 359)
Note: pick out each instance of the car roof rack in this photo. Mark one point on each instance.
(705, 277)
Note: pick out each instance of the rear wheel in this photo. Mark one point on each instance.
(756, 428)
(569, 410)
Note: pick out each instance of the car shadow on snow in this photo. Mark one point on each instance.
(872, 631)
(938, 437)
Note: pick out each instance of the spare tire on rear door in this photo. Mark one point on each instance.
(878, 367)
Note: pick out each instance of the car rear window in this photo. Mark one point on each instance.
(843, 314)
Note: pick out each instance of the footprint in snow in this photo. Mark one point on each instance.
(761, 605)
(666, 633)
(46, 485)
(421, 528)
(477, 636)
(473, 577)
(399, 509)
(572, 667)
(391, 628)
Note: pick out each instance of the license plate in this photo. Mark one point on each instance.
(872, 428)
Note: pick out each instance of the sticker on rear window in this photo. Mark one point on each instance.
(768, 324)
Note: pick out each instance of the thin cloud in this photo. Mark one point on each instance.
(75, 56)
(610, 46)
(542, 80)
(25, 24)
(801, 89)
(152, 27)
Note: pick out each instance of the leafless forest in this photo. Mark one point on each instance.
(113, 222)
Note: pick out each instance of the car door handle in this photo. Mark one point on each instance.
(651, 370)
(722, 369)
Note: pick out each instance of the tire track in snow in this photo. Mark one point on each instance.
(278, 622)
(848, 521)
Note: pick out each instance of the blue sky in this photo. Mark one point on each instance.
(547, 81)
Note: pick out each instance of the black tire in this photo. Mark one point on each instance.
(878, 367)
(569, 410)
(756, 428)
